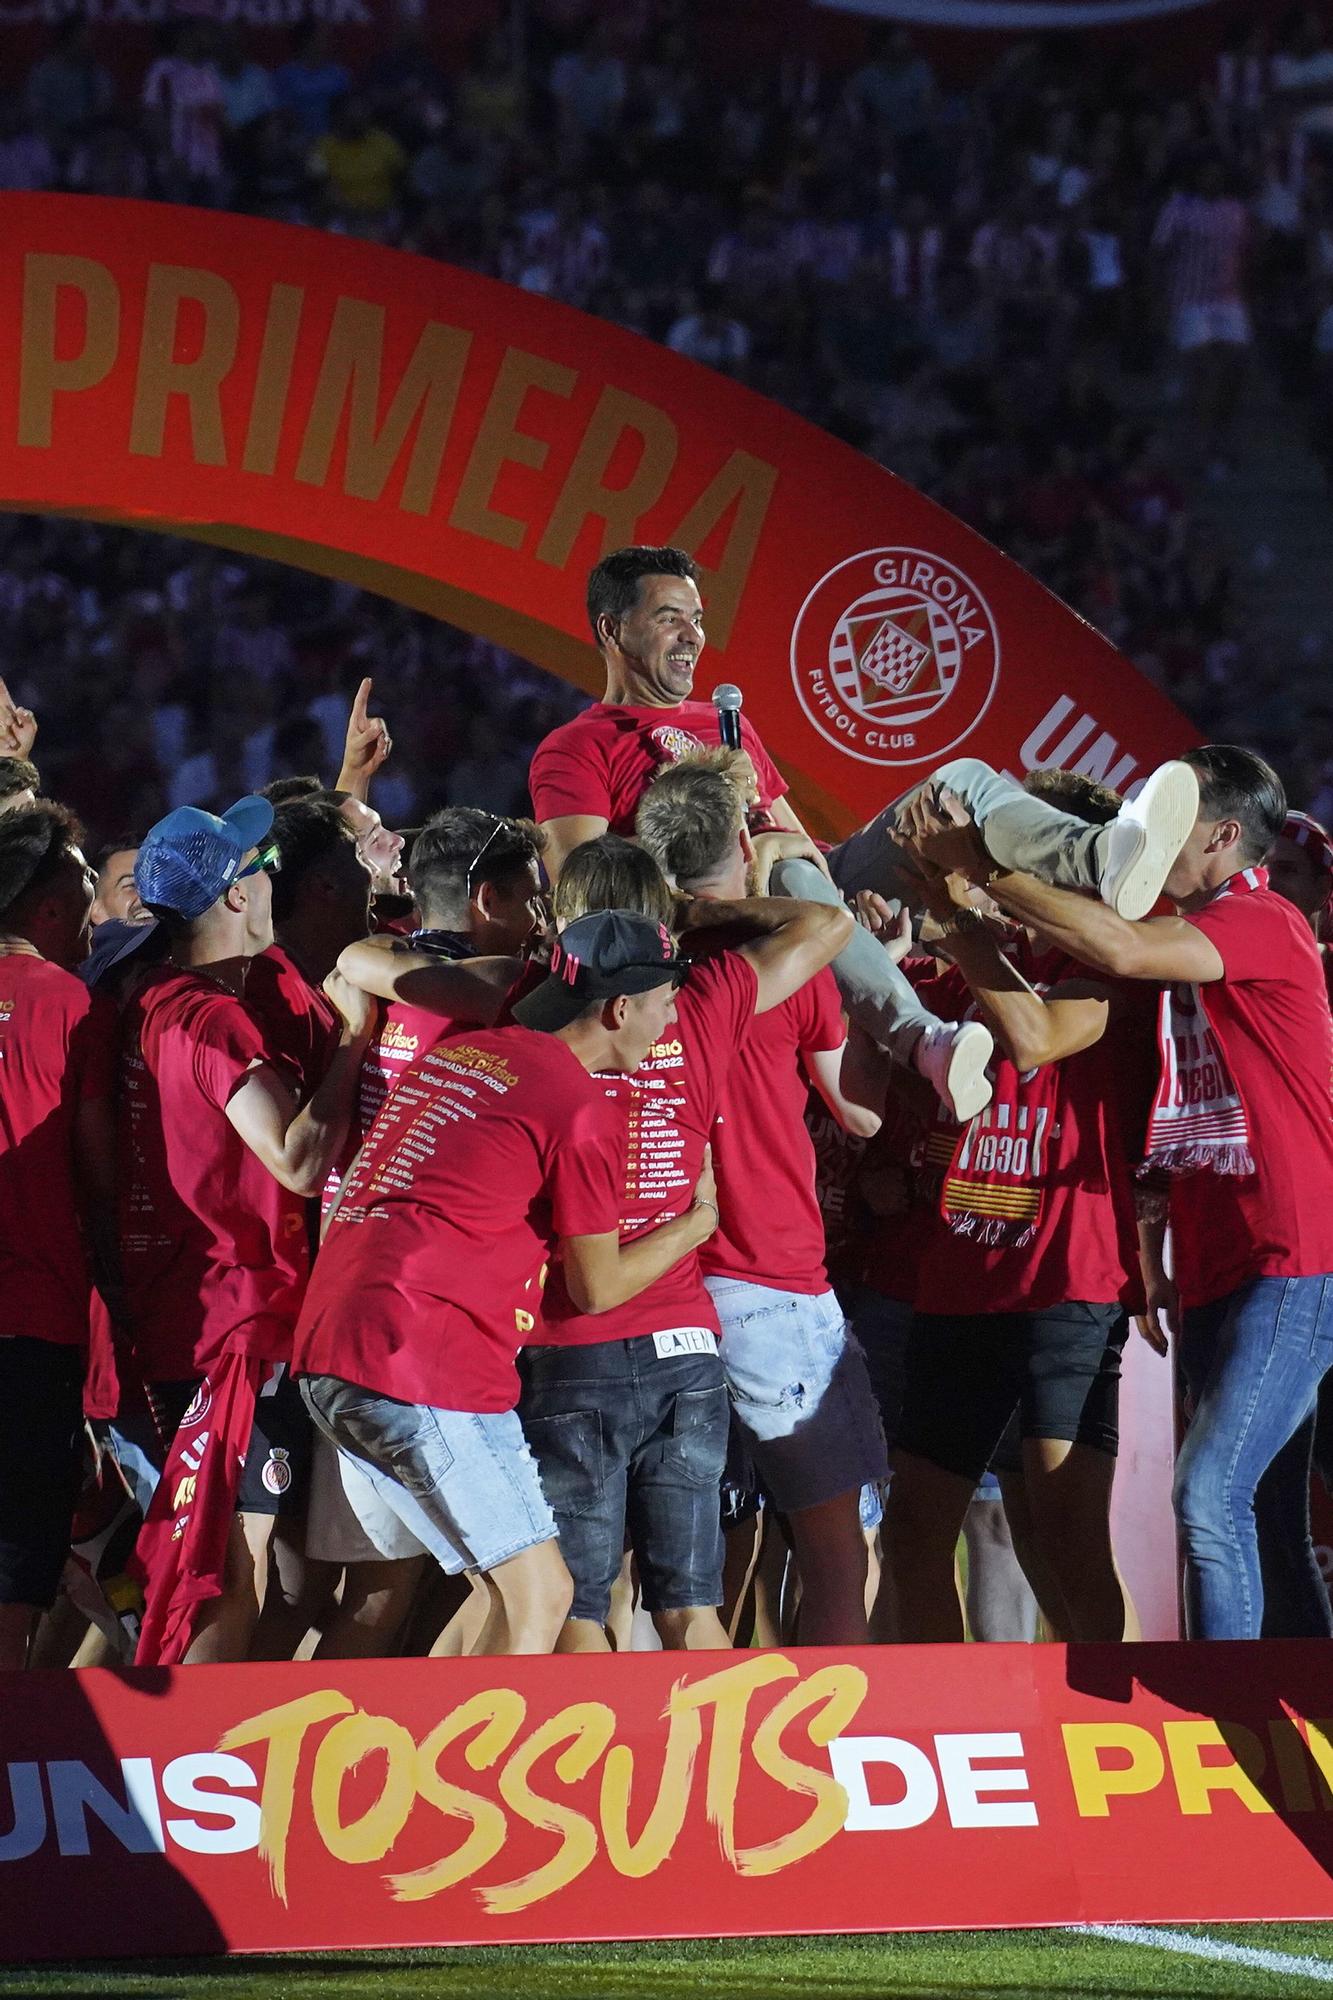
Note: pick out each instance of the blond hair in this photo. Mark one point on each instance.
(691, 815)
(611, 874)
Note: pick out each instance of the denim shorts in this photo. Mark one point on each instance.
(801, 1392)
(462, 1481)
(631, 1441)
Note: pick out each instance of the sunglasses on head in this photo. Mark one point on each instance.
(476, 859)
(267, 861)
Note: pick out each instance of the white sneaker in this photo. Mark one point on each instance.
(1145, 837)
(953, 1061)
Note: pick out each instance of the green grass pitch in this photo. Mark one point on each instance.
(984, 1965)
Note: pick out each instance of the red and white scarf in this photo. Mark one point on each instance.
(1198, 1118)
(994, 1189)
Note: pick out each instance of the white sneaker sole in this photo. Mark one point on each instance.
(967, 1088)
(1163, 814)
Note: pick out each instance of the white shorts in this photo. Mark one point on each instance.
(1224, 322)
(349, 1522)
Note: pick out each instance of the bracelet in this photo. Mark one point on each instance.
(702, 1201)
(962, 921)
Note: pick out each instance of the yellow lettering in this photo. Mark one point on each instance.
(276, 354)
(500, 1711)
(1196, 1781)
(1096, 1783)
(349, 379)
(838, 1692)
(283, 1729)
(585, 495)
(162, 376)
(744, 483)
(500, 442)
(637, 1858)
(41, 375)
(370, 1837)
(728, 1694)
(1320, 1747)
(587, 1726)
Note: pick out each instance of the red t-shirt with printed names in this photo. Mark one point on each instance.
(57, 1052)
(214, 1252)
(771, 1231)
(1270, 1015)
(1085, 1240)
(670, 1107)
(603, 762)
(493, 1145)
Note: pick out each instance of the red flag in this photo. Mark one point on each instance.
(182, 1548)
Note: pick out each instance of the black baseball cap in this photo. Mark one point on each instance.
(597, 958)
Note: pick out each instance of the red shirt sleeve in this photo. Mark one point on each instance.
(588, 1170)
(772, 784)
(821, 1025)
(227, 1045)
(568, 775)
(1252, 935)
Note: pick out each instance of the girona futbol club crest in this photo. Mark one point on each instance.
(276, 1476)
(895, 656)
(199, 1407)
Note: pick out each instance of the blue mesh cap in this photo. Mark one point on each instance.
(190, 857)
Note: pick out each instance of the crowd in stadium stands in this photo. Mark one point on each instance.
(1010, 294)
(528, 1194)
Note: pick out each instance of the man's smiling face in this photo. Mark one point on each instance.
(661, 639)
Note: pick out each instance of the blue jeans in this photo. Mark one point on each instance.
(1253, 1362)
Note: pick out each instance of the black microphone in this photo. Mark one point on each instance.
(727, 702)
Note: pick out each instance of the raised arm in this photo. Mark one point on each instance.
(788, 942)
(469, 989)
(563, 835)
(365, 747)
(1165, 950)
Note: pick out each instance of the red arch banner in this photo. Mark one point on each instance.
(472, 450)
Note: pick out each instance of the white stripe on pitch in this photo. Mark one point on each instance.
(1216, 1949)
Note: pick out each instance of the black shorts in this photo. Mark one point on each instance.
(968, 1374)
(275, 1478)
(41, 1464)
(625, 1438)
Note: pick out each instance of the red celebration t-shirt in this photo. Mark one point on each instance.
(669, 1108)
(491, 1147)
(57, 1052)
(1270, 1015)
(1041, 1194)
(603, 762)
(300, 1022)
(771, 1231)
(213, 1249)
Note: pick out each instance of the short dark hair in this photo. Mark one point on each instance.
(613, 587)
(124, 843)
(33, 843)
(609, 873)
(18, 774)
(281, 791)
(1237, 784)
(308, 832)
(462, 842)
(690, 816)
(1074, 792)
